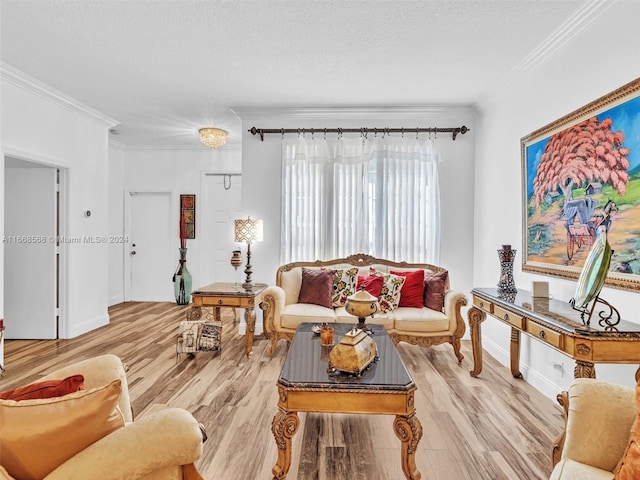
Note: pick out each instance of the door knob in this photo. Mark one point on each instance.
(133, 252)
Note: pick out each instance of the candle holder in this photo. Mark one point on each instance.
(326, 335)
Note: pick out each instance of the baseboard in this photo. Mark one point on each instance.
(116, 300)
(88, 325)
(530, 375)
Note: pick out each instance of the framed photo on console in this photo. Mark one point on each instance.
(581, 179)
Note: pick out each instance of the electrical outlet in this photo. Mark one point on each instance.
(559, 367)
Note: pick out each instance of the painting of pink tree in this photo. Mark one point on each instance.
(581, 178)
(587, 152)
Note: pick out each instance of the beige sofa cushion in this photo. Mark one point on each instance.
(416, 320)
(571, 470)
(297, 313)
(606, 445)
(378, 319)
(291, 282)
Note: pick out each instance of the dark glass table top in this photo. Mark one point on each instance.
(307, 361)
(557, 313)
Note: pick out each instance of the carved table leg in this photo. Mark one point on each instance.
(584, 370)
(284, 427)
(250, 318)
(515, 353)
(216, 314)
(476, 317)
(638, 375)
(409, 431)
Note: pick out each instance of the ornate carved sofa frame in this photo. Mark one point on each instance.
(417, 326)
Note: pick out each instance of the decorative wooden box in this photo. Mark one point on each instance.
(199, 336)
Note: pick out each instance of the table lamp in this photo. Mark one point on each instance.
(248, 230)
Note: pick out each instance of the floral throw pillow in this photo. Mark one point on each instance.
(390, 294)
(344, 285)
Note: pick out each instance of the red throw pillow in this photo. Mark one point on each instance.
(629, 466)
(372, 284)
(317, 287)
(413, 288)
(46, 389)
(435, 285)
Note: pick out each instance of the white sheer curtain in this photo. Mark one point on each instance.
(405, 199)
(322, 199)
(346, 196)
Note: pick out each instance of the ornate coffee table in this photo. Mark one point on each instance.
(219, 295)
(305, 386)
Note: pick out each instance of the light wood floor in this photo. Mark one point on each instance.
(494, 427)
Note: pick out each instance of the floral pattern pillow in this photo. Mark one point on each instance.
(390, 294)
(344, 285)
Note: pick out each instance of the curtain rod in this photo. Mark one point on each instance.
(362, 131)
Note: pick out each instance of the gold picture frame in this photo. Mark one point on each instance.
(580, 173)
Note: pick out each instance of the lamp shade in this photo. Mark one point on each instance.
(213, 137)
(248, 230)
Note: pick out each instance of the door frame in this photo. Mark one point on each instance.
(128, 193)
(204, 206)
(64, 169)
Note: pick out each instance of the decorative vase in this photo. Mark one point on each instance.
(182, 280)
(506, 283)
(361, 304)
(236, 259)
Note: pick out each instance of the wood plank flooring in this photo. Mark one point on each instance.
(494, 427)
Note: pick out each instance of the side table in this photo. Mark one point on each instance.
(219, 295)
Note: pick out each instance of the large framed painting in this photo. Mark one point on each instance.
(581, 179)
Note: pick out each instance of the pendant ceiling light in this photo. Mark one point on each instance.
(213, 137)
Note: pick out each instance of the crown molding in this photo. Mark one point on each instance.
(47, 92)
(353, 113)
(574, 25)
(190, 148)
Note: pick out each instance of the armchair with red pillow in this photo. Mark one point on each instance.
(76, 424)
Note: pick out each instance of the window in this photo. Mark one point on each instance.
(345, 196)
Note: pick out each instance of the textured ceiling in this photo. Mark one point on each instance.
(165, 68)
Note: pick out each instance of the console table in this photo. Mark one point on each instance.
(219, 295)
(555, 323)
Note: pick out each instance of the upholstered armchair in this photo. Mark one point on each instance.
(160, 445)
(599, 420)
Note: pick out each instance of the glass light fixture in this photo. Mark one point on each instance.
(213, 137)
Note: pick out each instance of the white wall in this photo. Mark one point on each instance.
(49, 129)
(116, 224)
(180, 170)
(593, 63)
(262, 186)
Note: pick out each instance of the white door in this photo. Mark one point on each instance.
(153, 250)
(30, 251)
(222, 195)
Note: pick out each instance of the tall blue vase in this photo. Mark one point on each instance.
(182, 280)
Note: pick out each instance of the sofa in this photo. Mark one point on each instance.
(417, 324)
(600, 419)
(89, 434)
